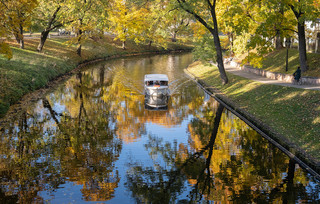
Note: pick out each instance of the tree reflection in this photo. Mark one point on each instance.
(76, 134)
(52, 148)
(161, 185)
(24, 170)
(88, 143)
(218, 165)
(247, 167)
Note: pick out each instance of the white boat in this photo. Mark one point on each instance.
(156, 102)
(156, 85)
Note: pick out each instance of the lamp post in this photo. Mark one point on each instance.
(288, 43)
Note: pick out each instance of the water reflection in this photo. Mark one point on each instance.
(93, 139)
(218, 165)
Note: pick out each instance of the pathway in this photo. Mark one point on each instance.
(236, 71)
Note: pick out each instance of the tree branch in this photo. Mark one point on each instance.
(199, 18)
(4, 5)
(53, 17)
(294, 11)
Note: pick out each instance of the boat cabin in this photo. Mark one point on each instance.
(156, 84)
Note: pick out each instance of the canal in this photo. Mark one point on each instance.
(95, 138)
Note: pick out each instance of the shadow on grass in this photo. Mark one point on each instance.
(291, 112)
(276, 62)
(26, 72)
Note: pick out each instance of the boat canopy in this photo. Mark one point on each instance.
(156, 77)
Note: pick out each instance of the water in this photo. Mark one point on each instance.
(94, 139)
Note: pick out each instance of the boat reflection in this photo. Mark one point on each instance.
(153, 102)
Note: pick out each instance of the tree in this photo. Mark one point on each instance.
(129, 20)
(177, 22)
(157, 20)
(18, 17)
(204, 11)
(86, 18)
(5, 50)
(266, 21)
(49, 16)
(303, 10)
(155, 31)
(4, 47)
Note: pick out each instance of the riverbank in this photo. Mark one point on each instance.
(290, 115)
(30, 70)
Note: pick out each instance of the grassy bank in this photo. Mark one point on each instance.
(29, 70)
(276, 62)
(293, 113)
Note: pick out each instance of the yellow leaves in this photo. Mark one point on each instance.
(198, 29)
(15, 14)
(316, 121)
(256, 60)
(70, 150)
(17, 9)
(129, 21)
(5, 50)
(316, 4)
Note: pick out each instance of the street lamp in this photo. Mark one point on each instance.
(288, 43)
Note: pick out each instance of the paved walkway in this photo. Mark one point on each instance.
(236, 71)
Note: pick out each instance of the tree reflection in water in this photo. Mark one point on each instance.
(220, 166)
(49, 149)
(161, 185)
(87, 142)
(75, 136)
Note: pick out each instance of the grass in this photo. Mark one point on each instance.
(294, 113)
(276, 62)
(29, 70)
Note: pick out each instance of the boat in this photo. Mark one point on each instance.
(156, 85)
(156, 102)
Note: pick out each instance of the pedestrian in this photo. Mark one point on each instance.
(297, 75)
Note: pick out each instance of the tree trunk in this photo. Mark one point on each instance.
(79, 42)
(21, 37)
(302, 39)
(45, 33)
(150, 42)
(79, 50)
(18, 34)
(79, 35)
(302, 47)
(279, 42)
(316, 50)
(214, 31)
(44, 36)
(22, 43)
(217, 44)
(124, 45)
(230, 36)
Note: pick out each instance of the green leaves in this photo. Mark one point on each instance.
(204, 48)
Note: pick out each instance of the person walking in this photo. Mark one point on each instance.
(297, 75)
